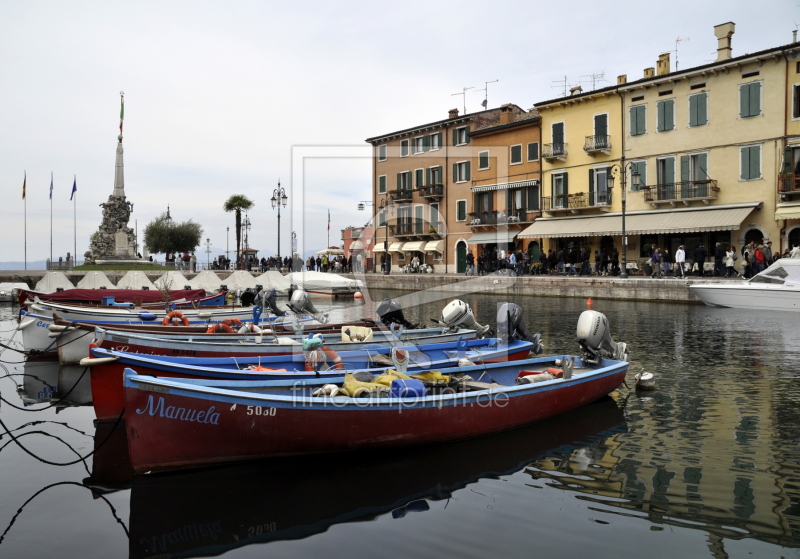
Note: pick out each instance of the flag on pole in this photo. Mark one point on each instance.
(121, 111)
(329, 220)
(51, 185)
(24, 182)
(74, 187)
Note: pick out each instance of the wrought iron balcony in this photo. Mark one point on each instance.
(506, 217)
(577, 201)
(597, 144)
(788, 185)
(685, 192)
(416, 228)
(554, 151)
(432, 191)
(401, 195)
(403, 228)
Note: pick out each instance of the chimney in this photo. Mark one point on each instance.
(453, 113)
(662, 66)
(505, 114)
(724, 32)
(794, 36)
(622, 80)
(649, 72)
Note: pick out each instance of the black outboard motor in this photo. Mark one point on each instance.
(268, 299)
(301, 305)
(248, 297)
(511, 326)
(292, 289)
(390, 311)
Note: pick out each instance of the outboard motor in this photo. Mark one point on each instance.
(390, 311)
(268, 299)
(292, 289)
(248, 297)
(301, 304)
(511, 326)
(594, 337)
(457, 314)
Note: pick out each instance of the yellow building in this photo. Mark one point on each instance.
(708, 143)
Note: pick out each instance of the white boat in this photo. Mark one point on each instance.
(319, 283)
(10, 290)
(777, 288)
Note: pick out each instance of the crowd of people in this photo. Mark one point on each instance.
(335, 263)
(574, 261)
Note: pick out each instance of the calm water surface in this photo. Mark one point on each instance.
(706, 466)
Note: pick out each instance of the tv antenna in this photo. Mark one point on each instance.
(485, 102)
(561, 84)
(464, 94)
(595, 78)
(677, 42)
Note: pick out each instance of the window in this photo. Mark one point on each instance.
(601, 129)
(382, 153)
(461, 171)
(419, 220)
(533, 151)
(404, 148)
(382, 218)
(694, 167)
(698, 109)
(598, 187)
(532, 198)
(461, 210)
(557, 131)
(750, 162)
(418, 145)
(404, 181)
(665, 167)
(483, 160)
(382, 184)
(638, 120)
(516, 154)
(749, 99)
(419, 178)
(641, 168)
(796, 101)
(435, 216)
(461, 136)
(436, 141)
(666, 115)
(560, 190)
(435, 175)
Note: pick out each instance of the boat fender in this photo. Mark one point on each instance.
(329, 390)
(219, 327)
(177, 318)
(61, 328)
(464, 362)
(147, 316)
(92, 361)
(532, 379)
(25, 323)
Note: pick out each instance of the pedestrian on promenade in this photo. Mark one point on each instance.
(656, 258)
(470, 264)
(730, 258)
(700, 258)
(719, 255)
(680, 260)
(572, 257)
(552, 261)
(666, 260)
(760, 263)
(615, 261)
(561, 267)
(768, 253)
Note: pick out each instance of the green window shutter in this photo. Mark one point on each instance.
(466, 170)
(633, 117)
(702, 166)
(440, 175)
(467, 134)
(455, 173)
(755, 99)
(382, 184)
(418, 177)
(755, 162)
(439, 139)
(398, 180)
(591, 180)
(693, 108)
(669, 170)
(566, 184)
(787, 167)
(426, 143)
(685, 168)
(745, 163)
(660, 116)
(428, 176)
(744, 101)
(639, 167)
(669, 113)
(533, 151)
(702, 109)
(558, 133)
(455, 136)
(601, 125)
(638, 114)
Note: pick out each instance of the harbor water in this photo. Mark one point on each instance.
(707, 465)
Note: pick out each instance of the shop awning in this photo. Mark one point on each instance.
(489, 237)
(395, 247)
(684, 220)
(379, 247)
(787, 211)
(357, 245)
(434, 246)
(413, 246)
(504, 185)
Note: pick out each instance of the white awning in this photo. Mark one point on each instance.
(434, 246)
(379, 247)
(488, 237)
(689, 220)
(788, 211)
(357, 245)
(504, 185)
(395, 247)
(413, 246)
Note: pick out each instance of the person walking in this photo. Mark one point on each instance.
(730, 258)
(760, 263)
(700, 258)
(666, 259)
(719, 255)
(768, 253)
(470, 264)
(656, 258)
(572, 258)
(680, 261)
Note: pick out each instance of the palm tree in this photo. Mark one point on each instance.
(236, 204)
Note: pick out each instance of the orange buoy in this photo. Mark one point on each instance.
(357, 295)
(589, 303)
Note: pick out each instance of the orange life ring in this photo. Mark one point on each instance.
(177, 318)
(219, 327)
(330, 355)
(231, 321)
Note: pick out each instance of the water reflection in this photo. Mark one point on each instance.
(60, 385)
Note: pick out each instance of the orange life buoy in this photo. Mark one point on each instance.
(219, 327)
(329, 355)
(231, 321)
(249, 327)
(177, 318)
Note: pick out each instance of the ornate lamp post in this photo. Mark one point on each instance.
(622, 169)
(279, 198)
(385, 204)
(227, 242)
(208, 253)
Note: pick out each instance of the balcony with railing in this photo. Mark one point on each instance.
(432, 191)
(507, 217)
(401, 195)
(577, 202)
(555, 151)
(683, 192)
(416, 229)
(597, 144)
(788, 185)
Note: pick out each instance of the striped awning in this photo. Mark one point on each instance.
(395, 247)
(504, 185)
(413, 246)
(689, 220)
(489, 237)
(434, 246)
(787, 211)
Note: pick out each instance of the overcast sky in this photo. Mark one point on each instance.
(220, 95)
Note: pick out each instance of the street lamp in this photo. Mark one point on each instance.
(279, 198)
(385, 204)
(227, 242)
(208, 253)
(622, 169)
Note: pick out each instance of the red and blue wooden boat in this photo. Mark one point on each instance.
(179, 423)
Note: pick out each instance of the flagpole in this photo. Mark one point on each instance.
(25, 226)
(51, 219)
(74, 221)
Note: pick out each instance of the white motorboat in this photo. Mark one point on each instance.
(776, 288)
(10, 290)
(319, 283)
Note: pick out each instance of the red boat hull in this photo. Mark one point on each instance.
(109, 398)
(225, 432)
